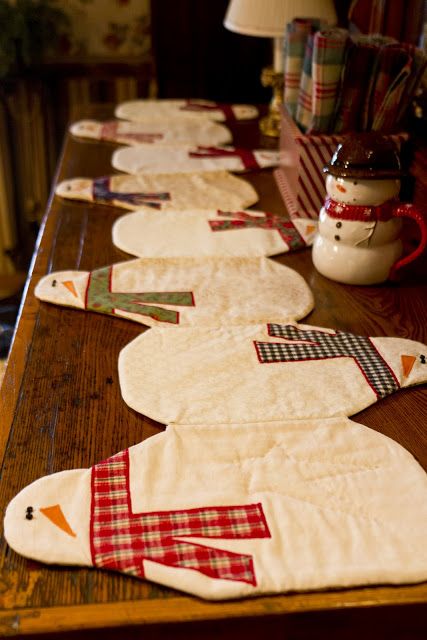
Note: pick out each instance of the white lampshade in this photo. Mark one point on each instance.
(267, 18)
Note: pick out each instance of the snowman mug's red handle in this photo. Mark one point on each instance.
(410, 211)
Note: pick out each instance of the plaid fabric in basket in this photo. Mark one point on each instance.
(304, 107)
(377, 42)
(394, 68)
(328, 59)
(296, 34)
(359, 59)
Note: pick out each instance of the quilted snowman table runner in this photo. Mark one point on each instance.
(267, 372)
(142, 110)
(182, 292)
(146, 158)
(165, 192)
(155, 132)
(260, 483)
(210, 233)
(226, 511)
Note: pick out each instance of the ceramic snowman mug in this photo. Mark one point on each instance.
(360, 224)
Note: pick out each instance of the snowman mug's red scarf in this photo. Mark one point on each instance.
(361, 213)
(121, 539)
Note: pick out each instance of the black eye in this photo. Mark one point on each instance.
(29, 513)
(354, 181)
(337, 238)
(338, 225)
(53, 283)
(423, 359)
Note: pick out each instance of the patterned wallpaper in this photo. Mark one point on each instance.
(106, 28)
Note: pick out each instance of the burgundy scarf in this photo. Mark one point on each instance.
(246, 155)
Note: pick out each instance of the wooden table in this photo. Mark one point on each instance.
(59, 410)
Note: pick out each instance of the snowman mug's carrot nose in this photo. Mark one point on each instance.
(56, 516)
(69, 284)
(341, 188)
(407, 364)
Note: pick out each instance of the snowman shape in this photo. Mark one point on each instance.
(360, 224)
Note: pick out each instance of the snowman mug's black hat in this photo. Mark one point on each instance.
(366, 156)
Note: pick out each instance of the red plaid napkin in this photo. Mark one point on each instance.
(295, 41)
(328, 60)
(304, 106)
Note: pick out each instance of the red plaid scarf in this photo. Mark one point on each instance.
(121, 540)
(362, 213)
(242, 220)
(247, 157)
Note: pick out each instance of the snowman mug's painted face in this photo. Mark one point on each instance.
(361, 192)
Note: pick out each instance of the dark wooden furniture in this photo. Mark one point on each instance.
(59, 410)
(197, 57)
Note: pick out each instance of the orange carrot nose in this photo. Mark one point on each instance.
(341, 188)
(56, 516)
(407, 364)
(69, 284)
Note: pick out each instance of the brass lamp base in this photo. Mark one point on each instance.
(270, 125)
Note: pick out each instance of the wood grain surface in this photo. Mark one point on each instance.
(61, 408)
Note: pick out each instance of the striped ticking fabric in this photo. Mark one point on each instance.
(315, 153)
(121, 540)
(241, 220)
(310, 344)
(328, 61)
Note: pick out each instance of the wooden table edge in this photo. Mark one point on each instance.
(187, 610)
(11, 385)
(21, 344)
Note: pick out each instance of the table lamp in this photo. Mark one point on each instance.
(268, 18)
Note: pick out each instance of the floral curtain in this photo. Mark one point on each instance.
(105, 28)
